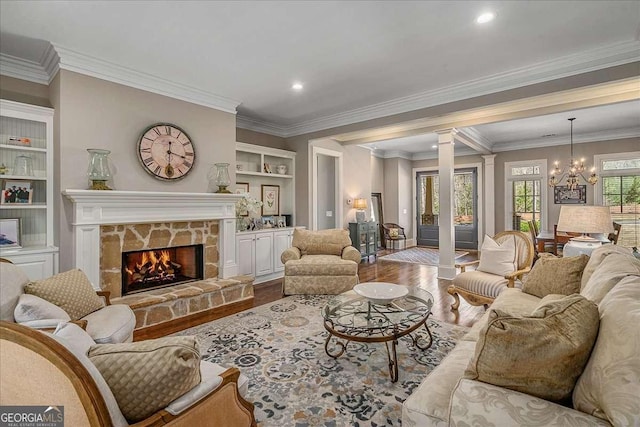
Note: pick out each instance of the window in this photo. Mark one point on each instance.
(525, 195)
(619, 188)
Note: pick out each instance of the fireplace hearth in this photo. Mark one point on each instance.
(144, 270)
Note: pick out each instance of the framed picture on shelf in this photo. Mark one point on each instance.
(270, 200)
(242, 187)
(10, 233)
(280, 221)
(563, 195)
(16, 192)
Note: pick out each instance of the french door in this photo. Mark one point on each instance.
(465, 199)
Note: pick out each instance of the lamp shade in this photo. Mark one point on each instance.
(585, 219)
(360, 204)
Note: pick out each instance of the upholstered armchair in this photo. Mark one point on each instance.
(68, 296)
(59, 369)
(320, 262)
(503, 261)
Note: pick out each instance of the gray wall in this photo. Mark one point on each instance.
(24, 91)
(377, 174)
(326, 192)
(259, 138)
(95, 113)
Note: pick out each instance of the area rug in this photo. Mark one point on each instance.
(292, 382)
(419, 255)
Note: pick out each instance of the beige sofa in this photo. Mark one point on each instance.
(320, 262)
(607, 392)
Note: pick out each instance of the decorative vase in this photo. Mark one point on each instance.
(222, 179)
(240, 224)
(23, 166)
(281, 169)
(99, 172)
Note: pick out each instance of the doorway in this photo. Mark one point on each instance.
(326, 188)
(465, 208)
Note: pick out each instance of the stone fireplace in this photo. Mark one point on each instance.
(109, 227)
(132, 219)
(135, 241)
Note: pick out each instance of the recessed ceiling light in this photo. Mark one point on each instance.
(434, 146)
(297, 86)
(485, 17)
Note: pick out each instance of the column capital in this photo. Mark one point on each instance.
(446, 136)
(489, 159)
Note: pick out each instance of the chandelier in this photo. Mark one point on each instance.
(575, 172)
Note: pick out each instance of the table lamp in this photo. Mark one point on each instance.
(585, 219)
(361, 206)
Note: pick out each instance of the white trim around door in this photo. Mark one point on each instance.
(313, 185)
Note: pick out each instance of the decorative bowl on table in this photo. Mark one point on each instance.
(380, 292)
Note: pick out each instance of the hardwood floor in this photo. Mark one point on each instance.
(377, 270)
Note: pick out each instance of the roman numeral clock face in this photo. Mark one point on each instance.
(166, 152)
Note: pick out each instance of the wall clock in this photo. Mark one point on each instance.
(166, 152)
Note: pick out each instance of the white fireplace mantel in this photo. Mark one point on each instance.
(93, 208)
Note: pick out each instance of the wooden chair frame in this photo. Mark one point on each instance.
(28, 345)
(476, 299)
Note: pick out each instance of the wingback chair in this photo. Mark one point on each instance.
(320, 262)
(481, 288)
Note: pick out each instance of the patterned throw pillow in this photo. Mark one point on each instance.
(394, 233)
(542, 354)
(553, 275)
(71, 291)
(146, 376)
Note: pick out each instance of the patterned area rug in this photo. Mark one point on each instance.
(419, 255)
(292, 382)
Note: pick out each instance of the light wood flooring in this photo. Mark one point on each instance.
(379, 270)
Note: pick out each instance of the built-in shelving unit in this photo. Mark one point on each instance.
(37, 254)
(252, 165)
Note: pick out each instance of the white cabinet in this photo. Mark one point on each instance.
(281, 242)
(257, 166)
(26, 143)
(264, 254)
(246, 253)
(258, 252)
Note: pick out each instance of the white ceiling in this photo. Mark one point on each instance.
(349, 55)
(591, 124)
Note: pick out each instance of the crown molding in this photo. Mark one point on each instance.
(23, 69)
(50, 62)
(84, 64)
(248, 123)
(591, 60)
(607, 135)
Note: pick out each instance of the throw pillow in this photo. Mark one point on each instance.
(31, 307)
(496, 258)
(553, 275)
(146, 376)
(77, 337)
(71, 291)
(542, 354)
(394, 233)
(611, 270)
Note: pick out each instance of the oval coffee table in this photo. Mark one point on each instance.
(352, 317)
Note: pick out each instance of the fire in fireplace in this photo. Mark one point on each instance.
(158, 268)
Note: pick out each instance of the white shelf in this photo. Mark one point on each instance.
(23, 177)
(24, 206)
(22, 148)
(264, 174)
